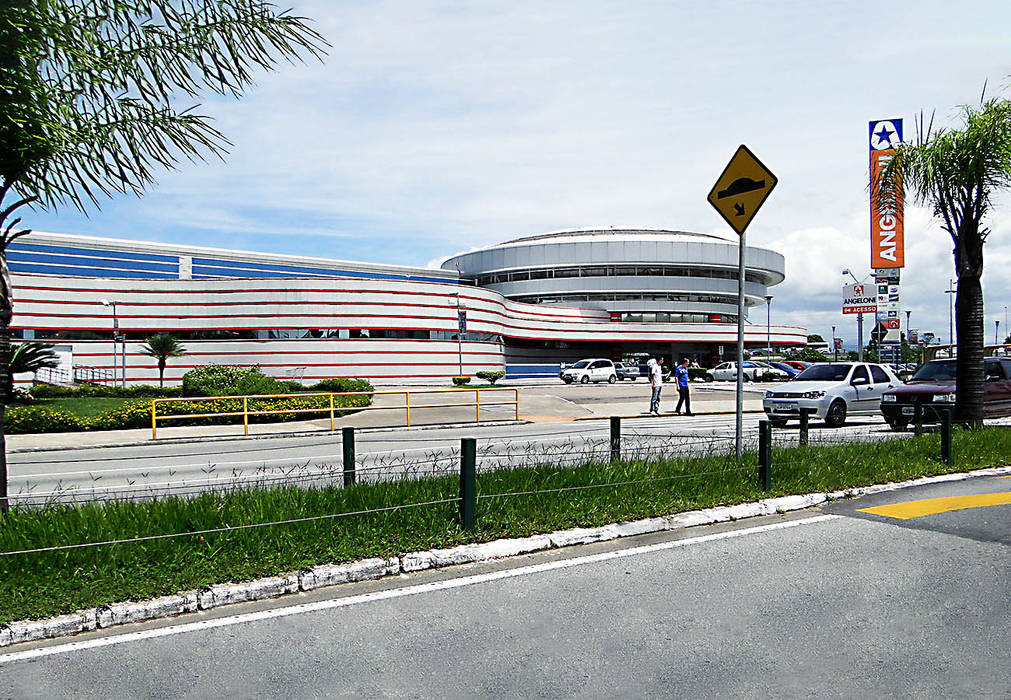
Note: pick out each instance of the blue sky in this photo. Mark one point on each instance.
(435, 127)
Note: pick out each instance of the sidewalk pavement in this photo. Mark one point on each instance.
(537, 404)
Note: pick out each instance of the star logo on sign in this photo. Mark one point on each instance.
(884, 137)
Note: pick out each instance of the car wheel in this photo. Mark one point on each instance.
(567, 380)
(612, 379)
(744, 378)
(585, 379)
(836, 414)
(709, 378)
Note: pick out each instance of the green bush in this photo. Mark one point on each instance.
(491, 375)
(229, 380)
(697, 372)
(460, 380)
(138, 391)
(339, 385)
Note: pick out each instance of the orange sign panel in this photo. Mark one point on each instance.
(887, 238)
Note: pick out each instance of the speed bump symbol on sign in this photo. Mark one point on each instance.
(741, 189)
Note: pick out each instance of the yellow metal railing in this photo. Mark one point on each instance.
(333, 408)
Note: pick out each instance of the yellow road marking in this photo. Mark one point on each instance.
(1003, 477)
(931, 506)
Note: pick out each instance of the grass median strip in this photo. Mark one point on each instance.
(331, 524)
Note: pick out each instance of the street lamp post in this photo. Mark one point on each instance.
(115, 338)
(908, 345)
(835, 350)
(950, 291)
(996, 326)
(459, 333)
(768, 326)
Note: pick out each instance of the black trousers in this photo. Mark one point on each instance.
(684, 398)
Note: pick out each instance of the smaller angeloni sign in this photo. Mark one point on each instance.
(859, 299)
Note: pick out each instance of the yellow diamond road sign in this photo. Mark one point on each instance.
(742, 189)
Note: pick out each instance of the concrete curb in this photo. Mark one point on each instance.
(372, 569)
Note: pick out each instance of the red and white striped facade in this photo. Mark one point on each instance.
(62, 308)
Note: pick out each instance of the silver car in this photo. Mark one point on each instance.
(586, 371)
(831, 391)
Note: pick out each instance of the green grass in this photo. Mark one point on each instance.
(84, 406)
(43, 584)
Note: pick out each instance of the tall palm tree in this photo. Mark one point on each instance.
(98, 97)
(957, 172)
(162, 346)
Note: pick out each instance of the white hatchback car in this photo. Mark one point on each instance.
(751, 371)
(586, 371)
(831, 391)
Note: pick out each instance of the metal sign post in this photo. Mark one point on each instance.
(738, 194)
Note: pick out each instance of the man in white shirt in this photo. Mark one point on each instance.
(656, 382)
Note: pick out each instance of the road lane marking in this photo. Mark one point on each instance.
(907, 510)
(348, 601)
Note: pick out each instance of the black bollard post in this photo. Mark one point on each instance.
(348, 445)
(468, 483)
(946, 436)
(615, 438)
(805, 420)
(918, 419)
(765, 453)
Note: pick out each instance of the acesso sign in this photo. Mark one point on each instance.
(859, 299)
(887, 244)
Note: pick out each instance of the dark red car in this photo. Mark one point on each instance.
(933, 387)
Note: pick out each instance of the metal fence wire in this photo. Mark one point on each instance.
(699, 456)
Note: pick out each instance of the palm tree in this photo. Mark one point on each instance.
(957, 172)
(98, 97)
(28, 357)
(162, 346)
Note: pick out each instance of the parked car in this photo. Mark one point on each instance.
(585, 371)
(626, 371)
(791, 372)
(933, 387)
(798, 365)
(831, 391)
(752, 371)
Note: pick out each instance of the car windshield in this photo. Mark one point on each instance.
(936, 371)
(581, 364)
(824, 373)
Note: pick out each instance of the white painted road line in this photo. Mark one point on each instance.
(33, 654)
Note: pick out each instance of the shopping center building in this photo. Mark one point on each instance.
(525, 305)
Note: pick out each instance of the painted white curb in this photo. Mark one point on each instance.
(335, 574)
(166, 606)
(367, 569)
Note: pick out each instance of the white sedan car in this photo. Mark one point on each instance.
(586, 371)
(752, 371)
(831, 391)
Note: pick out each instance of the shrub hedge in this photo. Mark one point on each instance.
(137, 414)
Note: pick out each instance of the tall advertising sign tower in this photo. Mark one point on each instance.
(887, 242)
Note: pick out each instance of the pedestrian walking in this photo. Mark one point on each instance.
(656, 382)
(681, 374)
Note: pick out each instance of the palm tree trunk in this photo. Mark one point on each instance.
(161, 371)
(6, 314)
(969, 377)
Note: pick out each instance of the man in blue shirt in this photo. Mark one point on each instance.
(681, 373)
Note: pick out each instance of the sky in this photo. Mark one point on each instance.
(432, 128)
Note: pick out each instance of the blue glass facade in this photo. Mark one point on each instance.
(40, 258)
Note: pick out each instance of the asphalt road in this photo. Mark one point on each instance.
(831, 602)
(186, 467)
